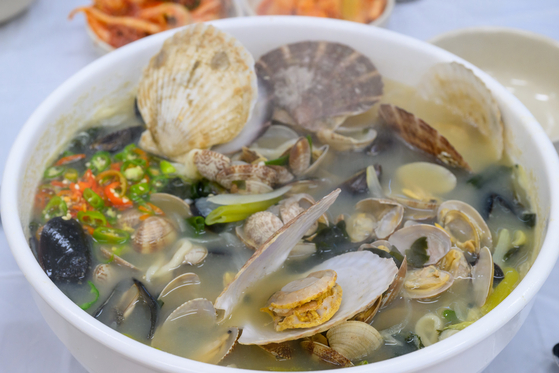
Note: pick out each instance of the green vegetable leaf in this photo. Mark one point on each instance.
(281, 161)
(450, 316)
(417, 253)
(93, 291)
(197, 223)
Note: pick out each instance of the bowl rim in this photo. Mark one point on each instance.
(153, 358)
(482, 30)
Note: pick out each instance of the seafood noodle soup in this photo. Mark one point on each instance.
(298, 212)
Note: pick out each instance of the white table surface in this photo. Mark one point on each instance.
(41, 48)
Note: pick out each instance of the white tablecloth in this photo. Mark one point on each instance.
(41, 48)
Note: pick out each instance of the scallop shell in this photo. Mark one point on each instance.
(317, 84)
(258, 228)
(342, 141)
(210, 163)
(354, 339)
(458, 88)
(198, 91)
(368, 315)
(167, 339)
(438, 241)
(422, 136)
(154, 234)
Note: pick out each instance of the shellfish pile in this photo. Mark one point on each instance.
(287, 206)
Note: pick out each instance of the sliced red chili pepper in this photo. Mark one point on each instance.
(109, 176)
(43, 197)
(117, 198)
(89, 229)
(69, 159)
(116, 166)
(57, 183)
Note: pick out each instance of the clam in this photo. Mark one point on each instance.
(428, 327)
(258, 228)
(175, 208)
(455, 263)
(423, 180)
(247, 176)
(437, 242)
(283, 176)
(127, 303)
(302, 251)
(129, 219)
(107, 254)
(325, 353)
(427, 282)
(291, 207)
(350, 267)
(465, 225)
(153, 235)
(458, 88)
(186, 253)
(420, 135)
(210, 163)
(173, 94)
(177, 291)
(181, 333)
(418, 209)
(105, 275)
(300, 156)
(387, 214)
(482, 276)
(318, 84)
(361, 226)
(343, 139)
(354, 339)
(281, 351)
(275, 142)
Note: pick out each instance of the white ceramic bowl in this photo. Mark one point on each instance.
(524, 62)
(11, 8)
(101, 349)
(250, 6)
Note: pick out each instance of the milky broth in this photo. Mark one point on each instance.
(227, 254)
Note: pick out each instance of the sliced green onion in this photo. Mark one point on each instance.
(93, 291)
(231, 213)
(55, 207)
(450, 316)
(139, 192)
(167, 168)
(309, 139)
(107, 235)
(281, 161)
(93, 198)
(505, 287)
(197, 223)
(158, 183)
(460, 326)
(52, 172)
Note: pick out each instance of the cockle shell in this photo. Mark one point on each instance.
(318, 84)
(325, 353)
(283, 176)
(198, 91)
(258, 228)
(345, 140)
(422, 136)
(262, 174)
(210, 163)
(300, 156)
(281, 351)
(154, 234)
(354, 339)
(458, 88)
(129, 219)
(106, 275)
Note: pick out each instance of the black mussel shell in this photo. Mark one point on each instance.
(357, 184)
(498, 274)
(64, 250)
(116, 141)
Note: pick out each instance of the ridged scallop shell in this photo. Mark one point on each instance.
(263, 174)
(198, 91)
(258, 228)
(422, 136)
(153, 235)
(438, 241)
(354, 339)
(458, 88)
(167, 339)
(317, 84)
(210, 163)
(368, 315)
(347, 140)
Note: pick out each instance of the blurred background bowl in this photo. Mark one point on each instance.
(524, 62)
(11, 8)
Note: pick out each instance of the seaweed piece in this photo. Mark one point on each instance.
(493, 174)
(417, 253)
(498, 274)
(394, 254)
(494, 199)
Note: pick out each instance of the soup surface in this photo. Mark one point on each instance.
(154, 246)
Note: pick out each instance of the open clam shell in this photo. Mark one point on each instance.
(438, 241)
(173, 93)
(178, 333)
(458, 88)
(482, 276)
(347, 140)
(418, 209)
(420, 135)
(318, 84)
(427, 282)
(388, 215)
(467, 219)
(455, 263)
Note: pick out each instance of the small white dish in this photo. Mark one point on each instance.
(11, 8)
(524, 62)
(250, 6)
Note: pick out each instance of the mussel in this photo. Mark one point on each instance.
(116, 141)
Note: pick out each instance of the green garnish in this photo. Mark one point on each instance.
(197, 223)
(107, 235)
(417, 253)
(93, 291)
(450, 316)
(100, 161)
(71, 174)
(309, 139)
(93, 218)
(231, 213)
(167, 168)
(55, 207)
(281, 161)
(93, 198)
(53, 172)
(139, 192)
